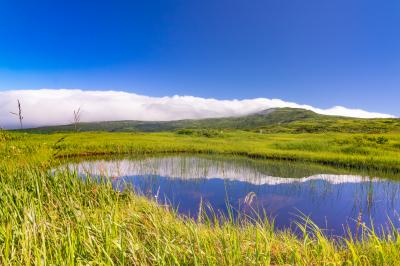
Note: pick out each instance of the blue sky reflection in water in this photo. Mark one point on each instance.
(331, 197)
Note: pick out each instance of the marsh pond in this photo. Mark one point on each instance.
(335, 199)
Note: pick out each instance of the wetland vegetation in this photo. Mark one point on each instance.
(58, 218)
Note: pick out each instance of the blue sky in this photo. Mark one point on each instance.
(318, 52)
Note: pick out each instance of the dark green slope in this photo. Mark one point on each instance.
(288, 120)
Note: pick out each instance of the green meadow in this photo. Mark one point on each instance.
(56, 218)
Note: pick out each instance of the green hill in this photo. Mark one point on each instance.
(288, 120)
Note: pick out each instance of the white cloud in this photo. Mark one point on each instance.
(55, 107)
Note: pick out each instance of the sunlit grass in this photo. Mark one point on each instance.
(336, 149)
(60, 219)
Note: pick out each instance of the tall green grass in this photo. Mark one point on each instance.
(59, 219)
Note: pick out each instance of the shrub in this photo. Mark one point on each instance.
(209, 133)
(382, 140)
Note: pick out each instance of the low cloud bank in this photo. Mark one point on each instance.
(55, 107)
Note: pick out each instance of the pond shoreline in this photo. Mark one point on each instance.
(356, 166)
(331, 197)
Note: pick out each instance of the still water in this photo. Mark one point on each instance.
(332, 198)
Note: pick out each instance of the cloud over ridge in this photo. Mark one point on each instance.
(55, 107)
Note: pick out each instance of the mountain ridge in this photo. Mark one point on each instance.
(289, 120)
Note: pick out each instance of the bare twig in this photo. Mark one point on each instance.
(19, 114)
(77, 118)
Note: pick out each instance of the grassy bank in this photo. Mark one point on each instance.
(60, 219)
(374, 151)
